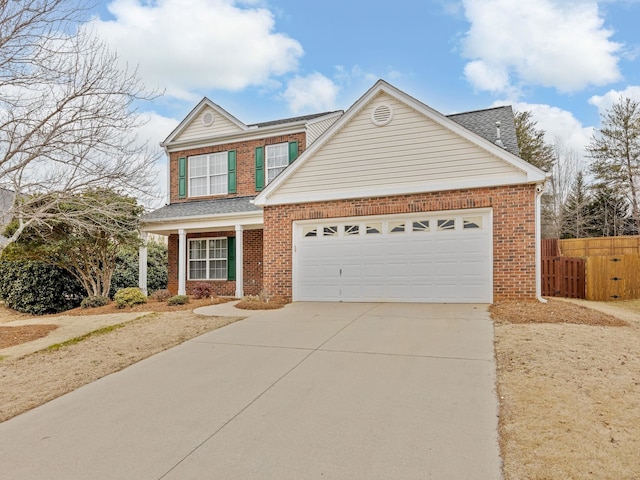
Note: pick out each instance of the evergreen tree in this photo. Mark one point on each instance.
(531, 142)
(608, 212)
(576, 215)
(615, 150)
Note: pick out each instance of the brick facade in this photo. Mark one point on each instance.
(513, 231)
(252, 264)
(245, 163)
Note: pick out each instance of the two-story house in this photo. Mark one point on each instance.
(388, 201)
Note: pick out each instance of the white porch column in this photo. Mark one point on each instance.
(239, 262)
(142, 264)
(182, 262)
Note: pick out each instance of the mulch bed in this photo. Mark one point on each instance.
(554, 311)
(10, 336)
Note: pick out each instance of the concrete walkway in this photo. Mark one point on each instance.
(315, 390)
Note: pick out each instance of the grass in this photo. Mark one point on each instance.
(95, 333)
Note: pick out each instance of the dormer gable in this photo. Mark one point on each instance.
(206, 121)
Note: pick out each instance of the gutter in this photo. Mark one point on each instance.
(539, 192)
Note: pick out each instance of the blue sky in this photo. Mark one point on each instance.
(565, 60)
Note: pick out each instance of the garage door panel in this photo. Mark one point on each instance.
(417, 266)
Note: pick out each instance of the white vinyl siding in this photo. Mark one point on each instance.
(314, 130)
(276, 160)
(208, 174)
(208, 259)
(412, 151)
(196, 130)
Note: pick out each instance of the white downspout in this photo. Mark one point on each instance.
(539, 192)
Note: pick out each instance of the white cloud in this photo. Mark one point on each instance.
(155, 129)
(553, 43)
(558, 124)
(314, 92)
(604, 102)
(190, 45)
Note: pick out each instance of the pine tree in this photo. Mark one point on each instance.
(576, 215)
(615, 150)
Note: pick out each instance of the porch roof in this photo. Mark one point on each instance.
(200, 209)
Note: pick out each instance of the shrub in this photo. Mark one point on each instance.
(94, 302)
(161, 295)
(202, 290)
(128, 297)
(37, 288)
(178, 300)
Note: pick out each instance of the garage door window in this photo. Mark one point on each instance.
(352, 230)
(330, 231)
(446, 224)
(396, 227)
(373, 228)
(472, 222)
(421, 226)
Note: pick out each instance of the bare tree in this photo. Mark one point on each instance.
(67, 116)
(615, 151)
(563, 174)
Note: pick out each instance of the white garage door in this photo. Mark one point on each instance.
(424, 257)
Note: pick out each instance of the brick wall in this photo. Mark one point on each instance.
(513, 231)
(245, 163)
(252, 264)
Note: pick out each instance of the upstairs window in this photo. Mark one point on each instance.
(208, 174)
(277, 160)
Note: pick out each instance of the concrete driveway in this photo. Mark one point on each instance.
(316, 390)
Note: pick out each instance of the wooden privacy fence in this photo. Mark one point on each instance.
(613, 277)
(563, 277)
(598, 269)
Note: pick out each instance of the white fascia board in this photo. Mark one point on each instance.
(205, 102)
(534, 175)
(252, 134)
(244, 218)
(392, 190)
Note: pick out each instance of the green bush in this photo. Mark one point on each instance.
(36, 288)
(94, 302)
(178, 300)
(128, 297)
(126, 272)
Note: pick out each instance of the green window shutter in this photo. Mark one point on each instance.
(293, 151)
(259, 168)
(231, 258)
(231, 164)
(182, 177)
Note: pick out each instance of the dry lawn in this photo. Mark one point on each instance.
(569, 387)
(37, 378)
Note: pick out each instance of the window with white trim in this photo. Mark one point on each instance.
(277, 159)
(208, 259)
(208, 174)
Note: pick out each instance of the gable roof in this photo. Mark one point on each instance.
(189, 130)
(526, 173)
(204, 104)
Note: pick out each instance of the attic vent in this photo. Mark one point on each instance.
(207, 119)
(381, 115)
